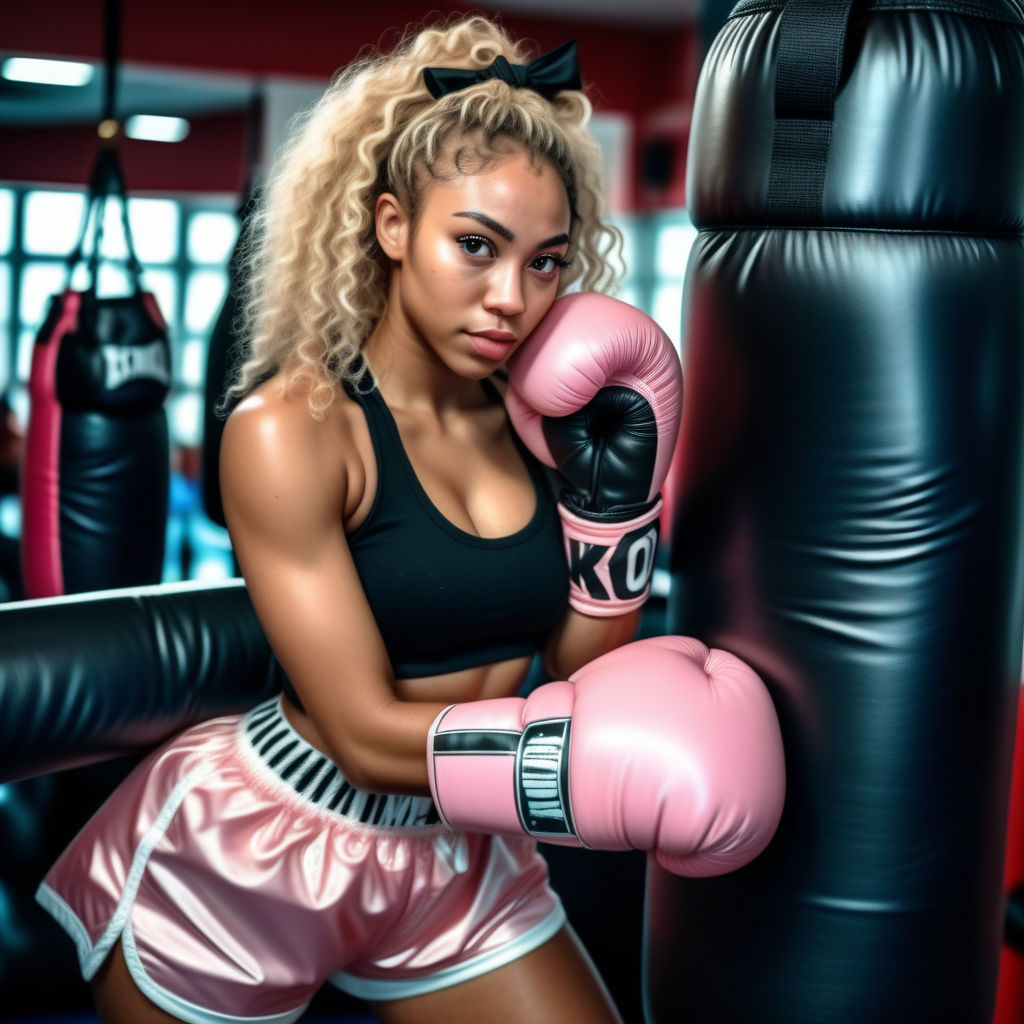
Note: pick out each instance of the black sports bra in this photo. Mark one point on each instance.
(445, 599)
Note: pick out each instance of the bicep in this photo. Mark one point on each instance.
(284, 512)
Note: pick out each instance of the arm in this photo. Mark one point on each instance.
(596, 392)
(286, 492)
(578, 639)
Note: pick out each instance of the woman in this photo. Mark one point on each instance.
(358, 256)
(405, 558)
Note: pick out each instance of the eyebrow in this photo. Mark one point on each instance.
(500, 229)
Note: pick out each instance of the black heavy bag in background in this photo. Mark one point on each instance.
(224, 355)
(849, 513)
(226, 349)
(96, 470)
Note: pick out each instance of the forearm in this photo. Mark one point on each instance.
(579, 639)
(596, 394)
(382, 748)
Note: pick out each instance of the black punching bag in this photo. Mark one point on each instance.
(224, 355)
(848, 510)
(96, 468)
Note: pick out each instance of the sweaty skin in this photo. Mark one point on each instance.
(470, 279)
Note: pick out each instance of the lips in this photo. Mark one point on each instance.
(495, 335)
(492, 344)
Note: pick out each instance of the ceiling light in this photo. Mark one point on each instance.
(154, 128)
(47, 72)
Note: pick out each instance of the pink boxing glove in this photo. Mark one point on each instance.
(596, 393)
(660, 745)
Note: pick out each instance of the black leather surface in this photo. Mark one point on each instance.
(99, 675)
(849, 520)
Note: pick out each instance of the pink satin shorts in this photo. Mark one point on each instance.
(241, 872)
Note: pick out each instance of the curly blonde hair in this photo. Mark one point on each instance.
(316, 275)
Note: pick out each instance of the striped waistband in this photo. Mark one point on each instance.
(317, 779)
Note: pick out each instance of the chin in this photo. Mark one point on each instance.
(474, 368)
(482, 371)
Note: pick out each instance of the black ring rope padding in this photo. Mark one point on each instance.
(812, 39)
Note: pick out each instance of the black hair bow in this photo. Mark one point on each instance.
(549, 74)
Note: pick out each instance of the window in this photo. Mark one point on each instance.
(184, 245)
(657, 247)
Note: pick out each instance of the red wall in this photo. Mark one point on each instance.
(641, 72)
(211, 159)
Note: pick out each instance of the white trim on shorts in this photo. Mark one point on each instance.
(379, 989)
(91, 957)
(400, 814)
(182, 1008)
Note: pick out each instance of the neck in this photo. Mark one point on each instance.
(409, 374)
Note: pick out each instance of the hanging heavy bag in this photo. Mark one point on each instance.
(223, 356)
(96, 470)
(849, 515)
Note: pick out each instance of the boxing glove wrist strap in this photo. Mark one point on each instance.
(503, 777)
(611, 558)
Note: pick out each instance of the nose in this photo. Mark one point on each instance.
(505, 291)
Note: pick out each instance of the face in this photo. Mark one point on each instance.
(480, 267)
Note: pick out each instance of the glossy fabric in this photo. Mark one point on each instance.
(849, 520)
(234, 894)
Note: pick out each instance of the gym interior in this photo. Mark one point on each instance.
(844, 512)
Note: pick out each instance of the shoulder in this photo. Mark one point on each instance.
(274, 423)
(274, 444)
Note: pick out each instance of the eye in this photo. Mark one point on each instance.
(476, 245)
(547, 263)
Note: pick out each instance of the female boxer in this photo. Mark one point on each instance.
(405, 556)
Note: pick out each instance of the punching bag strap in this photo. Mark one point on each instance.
(112, 56)
(812, 37)
(107, 179)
